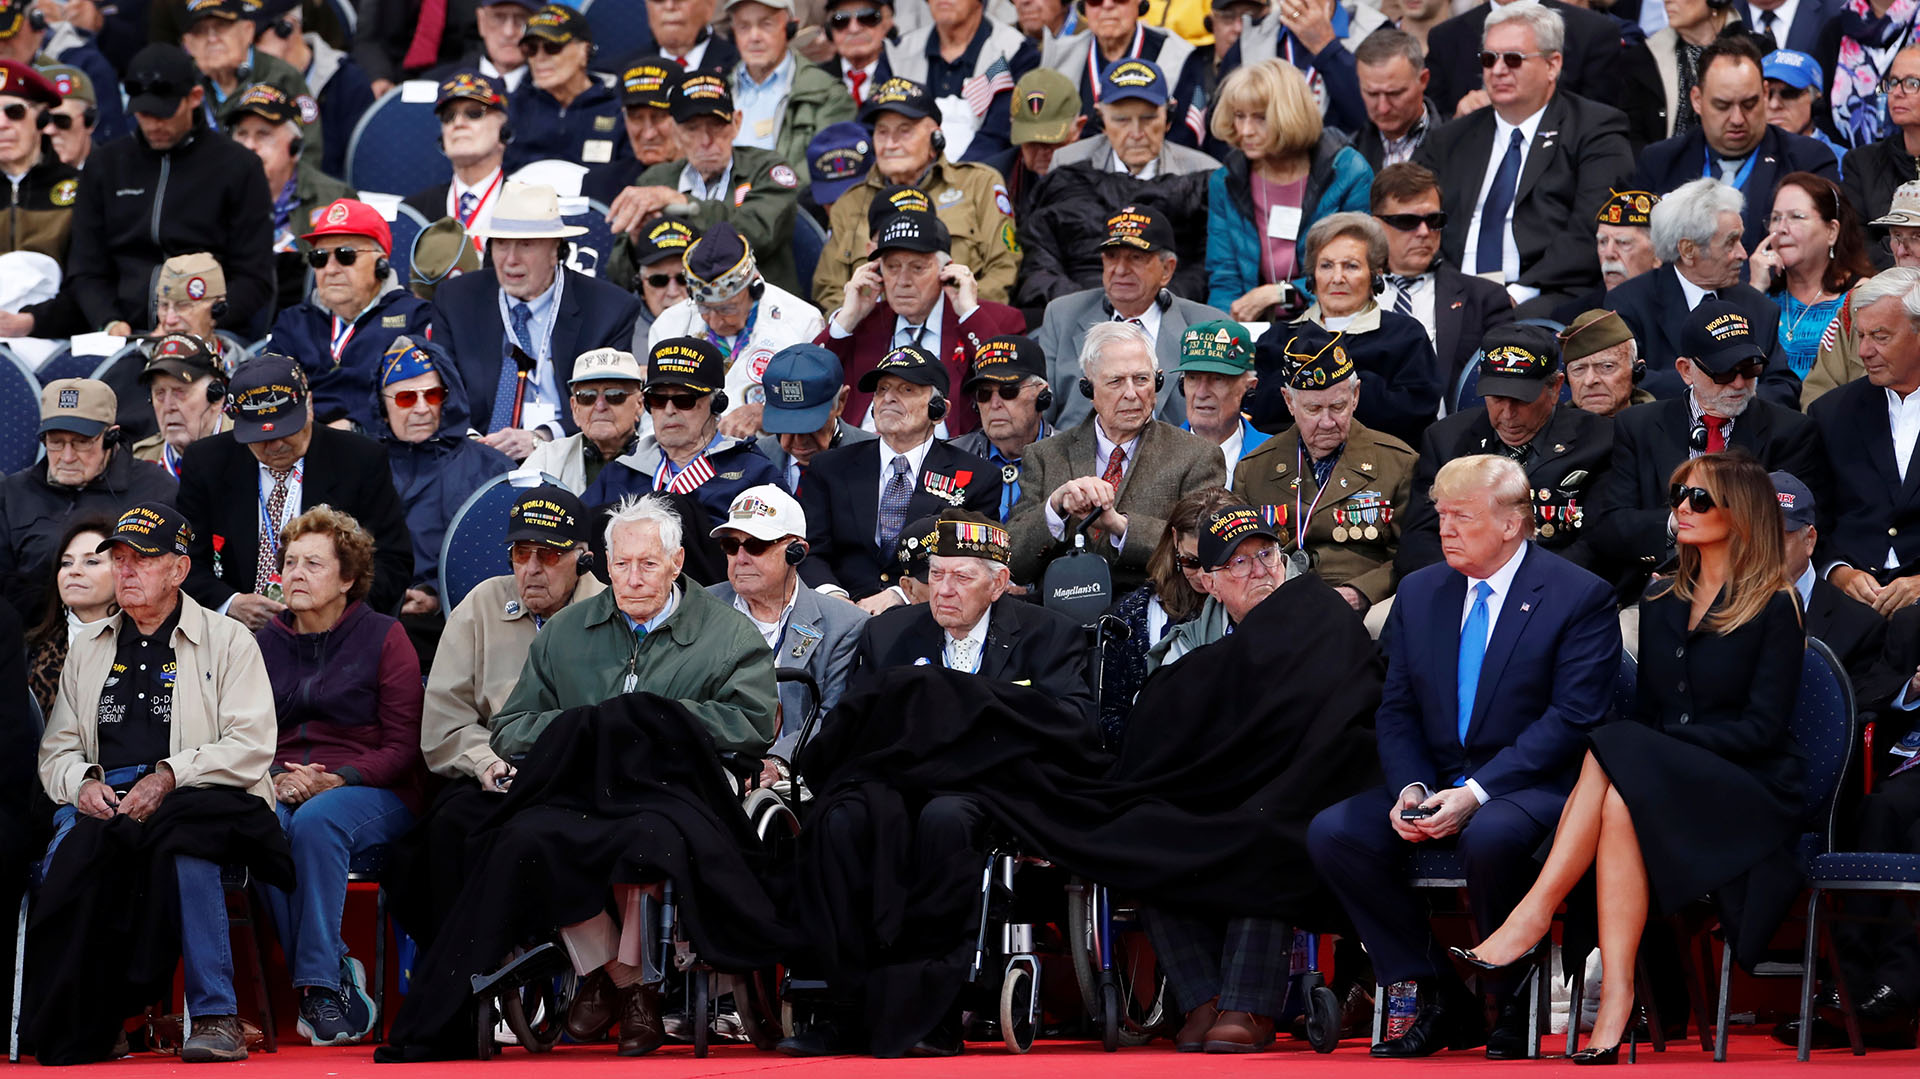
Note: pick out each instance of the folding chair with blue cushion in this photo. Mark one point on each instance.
(19, 415)
(67, 364)
(809, 242)
(475, 548)
(591, 251)
(395, 148)
(620, 30)
(349, 18)
(408, 224)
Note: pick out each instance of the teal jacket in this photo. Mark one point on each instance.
(1338, 179)
(706, 655)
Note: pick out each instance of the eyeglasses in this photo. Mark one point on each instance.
(682, 401)
(1008, 391)
(1408, 222)
(1188, 562)
(1240, 567)
(551, 48)
(435, 395)
(15, 112)
(1752, 369)
(1797, 217)
(346, 256)
(1512, 60)
(56, 119)
(731, 545)
(470, 112)
(1900, 84)
(522, 553)
(866, 16)
(662, 280)
(1698, 499)
(589, 398)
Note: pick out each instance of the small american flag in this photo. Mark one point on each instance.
(1196, 118)
(690, 477)
(980, 89)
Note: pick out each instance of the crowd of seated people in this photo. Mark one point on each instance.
(1474, 346)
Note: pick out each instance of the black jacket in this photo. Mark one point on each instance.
(221, 499)
(1579, 154)
(33, 513)
(842, 502)
(1868, 508)
(139, 207)
(1025, 643)
(1591, 67)
(1569, 457)
(1399, 392)
(1858, 635)
(1669, 163)
(1870, 175)
(1061, 235)
(593, 314)
(1465, 307)
(1654, 306)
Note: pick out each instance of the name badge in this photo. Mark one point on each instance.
(1283, 222)
(762, 128)
(596, 151)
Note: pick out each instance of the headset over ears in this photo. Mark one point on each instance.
(1043, 401)
(796, 551)
(937, 406)
(939, 142)
(1086, 385)
(1145, 7)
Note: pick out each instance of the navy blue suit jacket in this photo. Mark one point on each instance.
(466, 310)
(1669, 163)
(1546, 681)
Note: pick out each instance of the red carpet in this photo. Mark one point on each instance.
(1750, 1054)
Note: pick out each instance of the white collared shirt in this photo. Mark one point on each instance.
(977, 636)
(542, 404)
(692, 183)
(916, 457)
(1694, 293)
(925, 334)
(1230, 449)
(509, 80)
(1501, 582)
(296, 486)
(486, 194)
(1149, 320)
(690, 60)
(1148, 171)
(1903, 416)
(770, 632)
(1421, 298)
(1782, 20)
(872, 73)
(1804, 586)
(1509, 268)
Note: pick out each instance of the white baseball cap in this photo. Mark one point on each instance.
(766, 513)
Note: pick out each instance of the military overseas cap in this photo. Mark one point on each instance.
(1221, 346)
(686, 361)
(720, 265)
(405, 359)
(896, 199)
(909, 362)
(802, 382)
(70, 81)
(1045, 104)
(1315, 358)
(441, 251)
(838, 157)
(269, 396)
(606, 365)
(19, 80)
(158, 78)
(1518, 361)
(904, 96)
(1142, 228)
(1628, 208)
(648, 83)
(765, 512)
(914, 230)
(548, 515)
(269, 103)
(189, 279)
(1591, 332)
(1718, 337)
(915, 546)
(351, 217)
(1796, 500)
(968, 535)
(151, 529)
(182, 355)
(1007, 359)
(702, 95)
(1223, 530)
(558, 23)
(1132, 79)
(83, 406)
(1905, 208)
(469, 86)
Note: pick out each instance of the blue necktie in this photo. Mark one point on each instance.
(1473, 651)
(522, 315)
(1489, 254)
(893, 505)
(467, 203)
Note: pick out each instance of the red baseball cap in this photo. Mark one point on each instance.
(351, 217)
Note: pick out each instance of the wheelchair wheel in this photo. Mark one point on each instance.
(1081, 944)
(484, 1048)
(536, 1013)
(1016, 1010)
(1323, 1019)
(1110, 1012)
(757, 997)
(699, 1015)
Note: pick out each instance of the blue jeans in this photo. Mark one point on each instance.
(205, 949)
(325, 832)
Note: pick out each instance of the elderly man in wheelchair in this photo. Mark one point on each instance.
(616, 804)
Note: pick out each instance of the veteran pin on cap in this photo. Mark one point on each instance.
(765, 512)
(802, 382)
(405, 359)
(1045, 104)
(1315, 357)
(351, 217)
(469, 86)
(269, 103)
(1142, 228)
(896, 199)
(904, 96)
(1593, 331)
(909, 362)
(269, 395)
(151, 529)
(686, 361)
(1133, 79)
(838, 157)
(915, 546)
(182, 355)
(20, 80)
(702, 95)
(971, 536)
(719, 265)
(1718, 337)
(83, 406)
(1222, 346)
(1628, 208)
(70, 82)
(911, 231)
(189, 279)
(1008, 359)
(558, 23)
(648, 83)
(548, 515)
(666, 238)
(1223, 531)
(1518, 361)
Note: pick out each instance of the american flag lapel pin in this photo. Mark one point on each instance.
(1525, 607)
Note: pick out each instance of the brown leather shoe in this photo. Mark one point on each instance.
(1239, 1032)
(1193, 1033)
(592, 1012)
(641, 1031)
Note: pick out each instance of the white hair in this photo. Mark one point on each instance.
(1901, 283)
(651, 509)
(1549, 29)
(1104, 335)
(1692, 212)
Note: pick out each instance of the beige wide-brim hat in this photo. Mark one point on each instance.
(1905, 209)
(528, 212)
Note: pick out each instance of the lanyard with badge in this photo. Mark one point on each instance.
(269, 527)
(1739, 178)
(343, 331)
(1301, 521)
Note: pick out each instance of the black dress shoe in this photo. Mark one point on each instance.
(1445, 1020)
(1465, 955)
(822, 1039)
(1508, 1040)
(1884, 1005)
(1590, 1055)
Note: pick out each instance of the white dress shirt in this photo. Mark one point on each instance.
(770, 632)
(1509, 268)
(1782, 20)
(509, 80)
(1694, 293)
(1148, 171)
(975, 638)
(872, 73)
(1421, 297)
(1903, 416)
(1149, 320)
(1501, 582)
(916, 457)
(692, 58)
(296, 485)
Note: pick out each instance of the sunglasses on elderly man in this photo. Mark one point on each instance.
(1750, 370)
(662, 280)
(551, 48)
(866, 16)
(685, 402)
(17, 112)
(1698, 499)
(522, 553)
(435, 396)
(345, 256)
(730, 545)
(1008, 391)
(589, 398)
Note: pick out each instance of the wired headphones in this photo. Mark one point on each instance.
(796, 552)
(937, 406)
(1086, 385)
(1697, 437)
(939, 142)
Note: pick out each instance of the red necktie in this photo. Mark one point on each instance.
(681, 60)
(426, 35)
(859, 79)
(1716, 435)
(1112, 475)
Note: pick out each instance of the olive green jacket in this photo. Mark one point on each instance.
(287, 79)
(763, 194)
(817, 99)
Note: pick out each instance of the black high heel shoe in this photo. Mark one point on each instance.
(1611, 1054)
(1465, 955)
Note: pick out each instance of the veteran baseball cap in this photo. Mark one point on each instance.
(1045, 104)
(801, 382)
(904, 96)
(914, 230)
(1796, 500)
(151, 529)
(229, 10)
(558, 23)
(909, 362)
(667, 238)
(1129, 78)
(1142, 228)
(1718, 337)
(351, 217)
(1628, 208)
(70, 81)
(686, 361)
(469, 86)
(1591, 332)
(915, 546)
(548, 515)
(182, 355)
(1517, 361)
(1905, 207)
(896, 199)
(838, 157)
(648, 83)
(765, 512)
(606, 365)
(1223, 530)
(1006, 360)
(84, 406)
(702, 94)
(269, 394)
(268, 102)
(1221, 346)
(719, 265)
(189, 279)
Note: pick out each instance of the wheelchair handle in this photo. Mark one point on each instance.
(800, 675)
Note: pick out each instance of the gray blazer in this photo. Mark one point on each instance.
(1097, 151)
(1063, 327)
(1168, 464)
(769, 447)
(820, 637)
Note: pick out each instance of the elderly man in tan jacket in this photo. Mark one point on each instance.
(164, 698)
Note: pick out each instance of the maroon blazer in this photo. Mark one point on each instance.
(873, 338)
